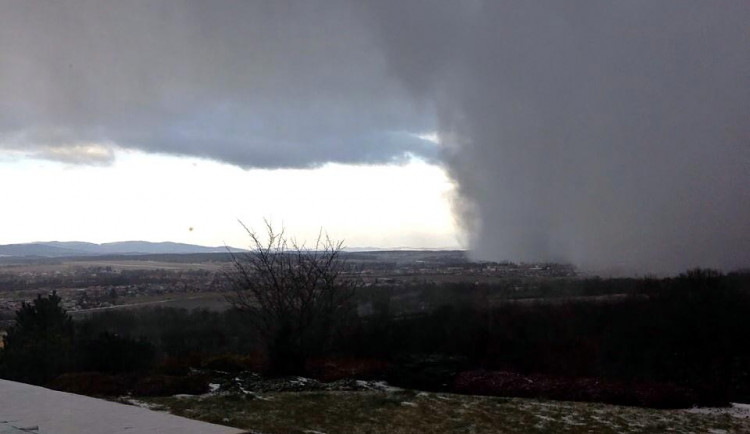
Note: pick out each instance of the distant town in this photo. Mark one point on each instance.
(89, 284)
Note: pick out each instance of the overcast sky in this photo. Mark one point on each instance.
(141, 120)
(613, 134)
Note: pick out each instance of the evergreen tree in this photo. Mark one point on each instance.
(38, 347)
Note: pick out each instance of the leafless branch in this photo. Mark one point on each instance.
(289, 289)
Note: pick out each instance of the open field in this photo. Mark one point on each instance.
(210, 301)
(407, 411)
(98, 283)
(68, 265)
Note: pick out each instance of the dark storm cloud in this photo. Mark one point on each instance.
(258, 84)
(612, 134)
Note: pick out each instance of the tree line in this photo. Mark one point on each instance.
(294, 314)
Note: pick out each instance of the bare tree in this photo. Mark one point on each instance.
(297, 297)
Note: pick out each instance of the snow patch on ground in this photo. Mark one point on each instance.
(141, 404)
(377, 386)
(569, 420)
(300, 381)
(740, 411)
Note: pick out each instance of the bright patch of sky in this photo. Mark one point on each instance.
(153, 197)
(430, 137)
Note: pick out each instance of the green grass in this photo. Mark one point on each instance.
(415, 412)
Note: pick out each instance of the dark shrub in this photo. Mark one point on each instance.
(114, 354)
(92, 383)
(236, 363)
(501, 383)
(337, 368)
(434, 372)
(166, 385)
(179, 366)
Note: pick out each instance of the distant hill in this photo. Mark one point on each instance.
(59, 249)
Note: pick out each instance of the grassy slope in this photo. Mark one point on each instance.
(419, 412)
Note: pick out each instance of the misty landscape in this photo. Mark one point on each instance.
(377, 216)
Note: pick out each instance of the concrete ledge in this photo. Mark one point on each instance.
(25, 407)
